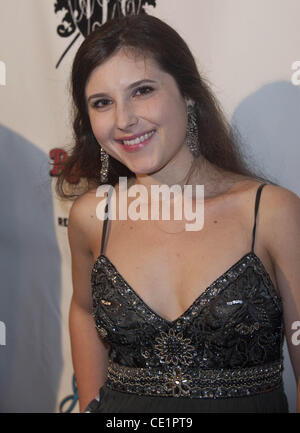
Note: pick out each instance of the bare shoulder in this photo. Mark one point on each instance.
(82, 208)
(83, 221)
(273, 195)
(278, 221)
(277, 206)
(281, 206)
(281, 217)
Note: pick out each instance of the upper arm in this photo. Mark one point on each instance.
(282, 230)
(82, 260)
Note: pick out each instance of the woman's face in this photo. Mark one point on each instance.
(138, 115)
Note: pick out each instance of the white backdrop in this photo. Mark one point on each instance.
(246, 49)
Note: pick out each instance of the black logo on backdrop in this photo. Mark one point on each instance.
(83, 16)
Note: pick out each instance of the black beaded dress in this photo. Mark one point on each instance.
(223, 354)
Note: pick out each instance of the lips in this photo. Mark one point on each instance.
(134, 137)
(136, 142)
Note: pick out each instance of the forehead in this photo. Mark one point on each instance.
(123, 68)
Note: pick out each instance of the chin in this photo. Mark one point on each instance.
(146, 170)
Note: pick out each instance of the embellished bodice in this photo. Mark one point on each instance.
(235, 322)
(235, 325)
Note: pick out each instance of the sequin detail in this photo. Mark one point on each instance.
(173, 348)
(235, 326)
(194, 383)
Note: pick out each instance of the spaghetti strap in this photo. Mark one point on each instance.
(258, 193)
(104, 225)
(104, 230)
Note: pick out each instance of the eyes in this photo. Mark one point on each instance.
(144, 90)
(140, 91)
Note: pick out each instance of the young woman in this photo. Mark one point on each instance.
(163, 319)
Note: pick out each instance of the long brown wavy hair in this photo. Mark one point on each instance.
(147, 35)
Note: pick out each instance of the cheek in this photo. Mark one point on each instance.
(99, 127)
(102, 130)
(167, 109)
(176, 121)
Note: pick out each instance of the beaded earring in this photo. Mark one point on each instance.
(104, 165)
(192, 131)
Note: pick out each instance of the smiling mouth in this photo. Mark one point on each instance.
(138, 140)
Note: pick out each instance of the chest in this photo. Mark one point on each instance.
(168, 268)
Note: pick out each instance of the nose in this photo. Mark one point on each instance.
(125, 116)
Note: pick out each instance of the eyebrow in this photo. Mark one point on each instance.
(131, 86)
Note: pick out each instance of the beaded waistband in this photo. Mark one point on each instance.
(194, 383)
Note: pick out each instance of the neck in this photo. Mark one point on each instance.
(183, 176)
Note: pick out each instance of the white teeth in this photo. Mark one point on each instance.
(138, 140)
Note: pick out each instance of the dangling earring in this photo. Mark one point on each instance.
(192, 131)
(104, 165)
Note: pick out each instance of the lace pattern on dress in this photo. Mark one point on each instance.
(233, 329)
